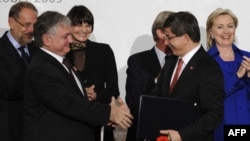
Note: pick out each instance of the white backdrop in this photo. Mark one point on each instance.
(126, 24)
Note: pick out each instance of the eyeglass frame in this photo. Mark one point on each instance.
(169, 38)
(26, 25)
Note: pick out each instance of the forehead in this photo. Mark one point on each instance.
(223, 19)
(63, 30)
(27, 13)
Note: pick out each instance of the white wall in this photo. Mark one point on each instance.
(126, 24)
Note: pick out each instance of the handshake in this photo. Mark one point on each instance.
(120, 113)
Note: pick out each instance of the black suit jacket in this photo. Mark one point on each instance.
(54, 107)
(201, 82)
(100, 70)
(12, 71)
(143, 68)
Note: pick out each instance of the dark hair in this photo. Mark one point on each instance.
(184, 23)
(47, 23)
(80, 14)
(16, 8)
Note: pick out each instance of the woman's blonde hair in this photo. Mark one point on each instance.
(210, 22)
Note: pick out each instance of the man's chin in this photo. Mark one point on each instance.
(28, 40)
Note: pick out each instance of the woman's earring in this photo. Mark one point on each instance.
(212, 36)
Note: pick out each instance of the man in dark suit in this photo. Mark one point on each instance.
(143, 70)
(200, 79)
(56, 107)
(22, 16)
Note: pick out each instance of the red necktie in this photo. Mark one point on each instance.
(176, 75)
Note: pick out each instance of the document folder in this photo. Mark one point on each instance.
(157, 113)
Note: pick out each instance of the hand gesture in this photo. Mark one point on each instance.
(91, 94)
(120, 113)
(244, 67)
(173, 135)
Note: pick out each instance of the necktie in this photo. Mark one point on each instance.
(24, 55)
(69, 66)
(176, 75)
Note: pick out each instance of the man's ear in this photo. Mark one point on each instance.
(46, 39)
(160, 34)
(11, 22)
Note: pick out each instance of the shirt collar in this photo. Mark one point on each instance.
(160, 55)
(57, 57)
(213, 50)
(190, 54)
(13, 41)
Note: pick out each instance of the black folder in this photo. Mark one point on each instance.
(156, 113)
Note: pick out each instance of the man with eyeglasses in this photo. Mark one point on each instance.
(16, 49)
(190, 74)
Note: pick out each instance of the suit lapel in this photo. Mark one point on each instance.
(166, 75)
(60, 67)
(189, 69)
(152, 63)
(12, 51)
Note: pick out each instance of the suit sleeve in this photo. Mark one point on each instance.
(211, 96)
(55, 92)
(111, 78)
(11, 78)
(134, 84)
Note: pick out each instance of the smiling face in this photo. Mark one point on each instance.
(176, 43)
(58, 42)
(21, 28)
(81, 32)
(223, 30)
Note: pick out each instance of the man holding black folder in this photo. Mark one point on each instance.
(199, 80)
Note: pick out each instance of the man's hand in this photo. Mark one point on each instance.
(120, 113)
(91, 94)
(173, 135)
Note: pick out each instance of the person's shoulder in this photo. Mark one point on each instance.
(4, 37)
(237, 50)
(205, 58)
(246, 53)
(97, 44)
(4, 42)
(141, 53)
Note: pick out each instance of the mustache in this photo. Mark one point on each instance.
(29, 34)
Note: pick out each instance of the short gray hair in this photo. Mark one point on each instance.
(47, 23)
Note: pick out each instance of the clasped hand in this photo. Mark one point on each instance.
(120, 113)
(244, 67)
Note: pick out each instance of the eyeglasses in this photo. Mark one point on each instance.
(26, 25)
(169, 38)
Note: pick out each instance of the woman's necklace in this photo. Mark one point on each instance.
(227, 54)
